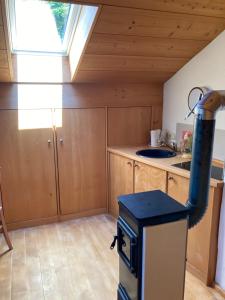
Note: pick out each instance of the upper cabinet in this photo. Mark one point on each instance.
(157, 111)
(129, 125)
(28, 166)
(81, 148)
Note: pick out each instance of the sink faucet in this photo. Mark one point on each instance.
(172, 145)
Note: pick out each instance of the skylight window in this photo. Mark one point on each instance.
(42, 26)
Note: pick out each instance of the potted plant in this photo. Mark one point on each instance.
(186, 143)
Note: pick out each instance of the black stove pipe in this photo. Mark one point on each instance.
(203, 138)
(200, 169)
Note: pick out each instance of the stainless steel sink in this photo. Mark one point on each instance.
(156, 153)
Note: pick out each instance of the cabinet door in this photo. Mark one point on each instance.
(129, 125)
(148, 178)
(81, 144)
(28, 165)
(120, 180)
(178, 187)
(201, 244)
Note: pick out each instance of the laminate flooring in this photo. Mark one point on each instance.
(70, 260)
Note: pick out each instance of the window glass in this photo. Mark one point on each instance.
(42, 26)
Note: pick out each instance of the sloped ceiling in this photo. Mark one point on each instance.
(148, 40)
(140, 41)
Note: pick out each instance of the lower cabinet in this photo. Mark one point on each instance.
(202, 239)
(121, 174)
(127, 176)
(28, 167)
(148, 178)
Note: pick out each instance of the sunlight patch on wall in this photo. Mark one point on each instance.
(39, 106)
(34, 119)
(39, 68)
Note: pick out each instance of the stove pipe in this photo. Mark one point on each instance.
(204, 128)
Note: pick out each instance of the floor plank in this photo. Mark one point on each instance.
(69, 260)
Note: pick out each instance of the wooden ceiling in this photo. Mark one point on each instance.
(148, 40)
(139, 40)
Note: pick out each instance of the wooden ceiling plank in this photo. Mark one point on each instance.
(123, 76)
(131, 63)
(215, 8)
(126, 21)
(107, 44)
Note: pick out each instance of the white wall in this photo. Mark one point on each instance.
(206, 69)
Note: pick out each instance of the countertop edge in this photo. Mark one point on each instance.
(148, 161)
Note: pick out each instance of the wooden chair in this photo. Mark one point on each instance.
(2, 220)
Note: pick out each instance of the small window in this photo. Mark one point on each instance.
(42, 26)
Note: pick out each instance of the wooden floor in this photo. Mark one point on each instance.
(69, 260)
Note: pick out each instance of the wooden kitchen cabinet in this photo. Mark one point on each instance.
(52, 170)
(148, 178)
(127, 176)
(129, 125)
(202, 239)
(28, 166)
(120, 180)
(81, 147)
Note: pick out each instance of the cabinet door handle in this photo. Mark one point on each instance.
(129, 163)
(61, 141)
(170, 178)
(49, 142)
(137, 166)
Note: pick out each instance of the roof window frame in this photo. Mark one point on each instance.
(72, 22)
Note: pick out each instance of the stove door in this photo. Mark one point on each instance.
(122, 294)
(127, 245)
(128, 282)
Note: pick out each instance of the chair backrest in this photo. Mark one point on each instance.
(0, 200)
(0, 193)
(0, 187)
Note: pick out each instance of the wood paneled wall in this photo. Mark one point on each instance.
(30, 96)
(132, 109)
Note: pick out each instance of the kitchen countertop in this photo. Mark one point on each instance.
(161, 163)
